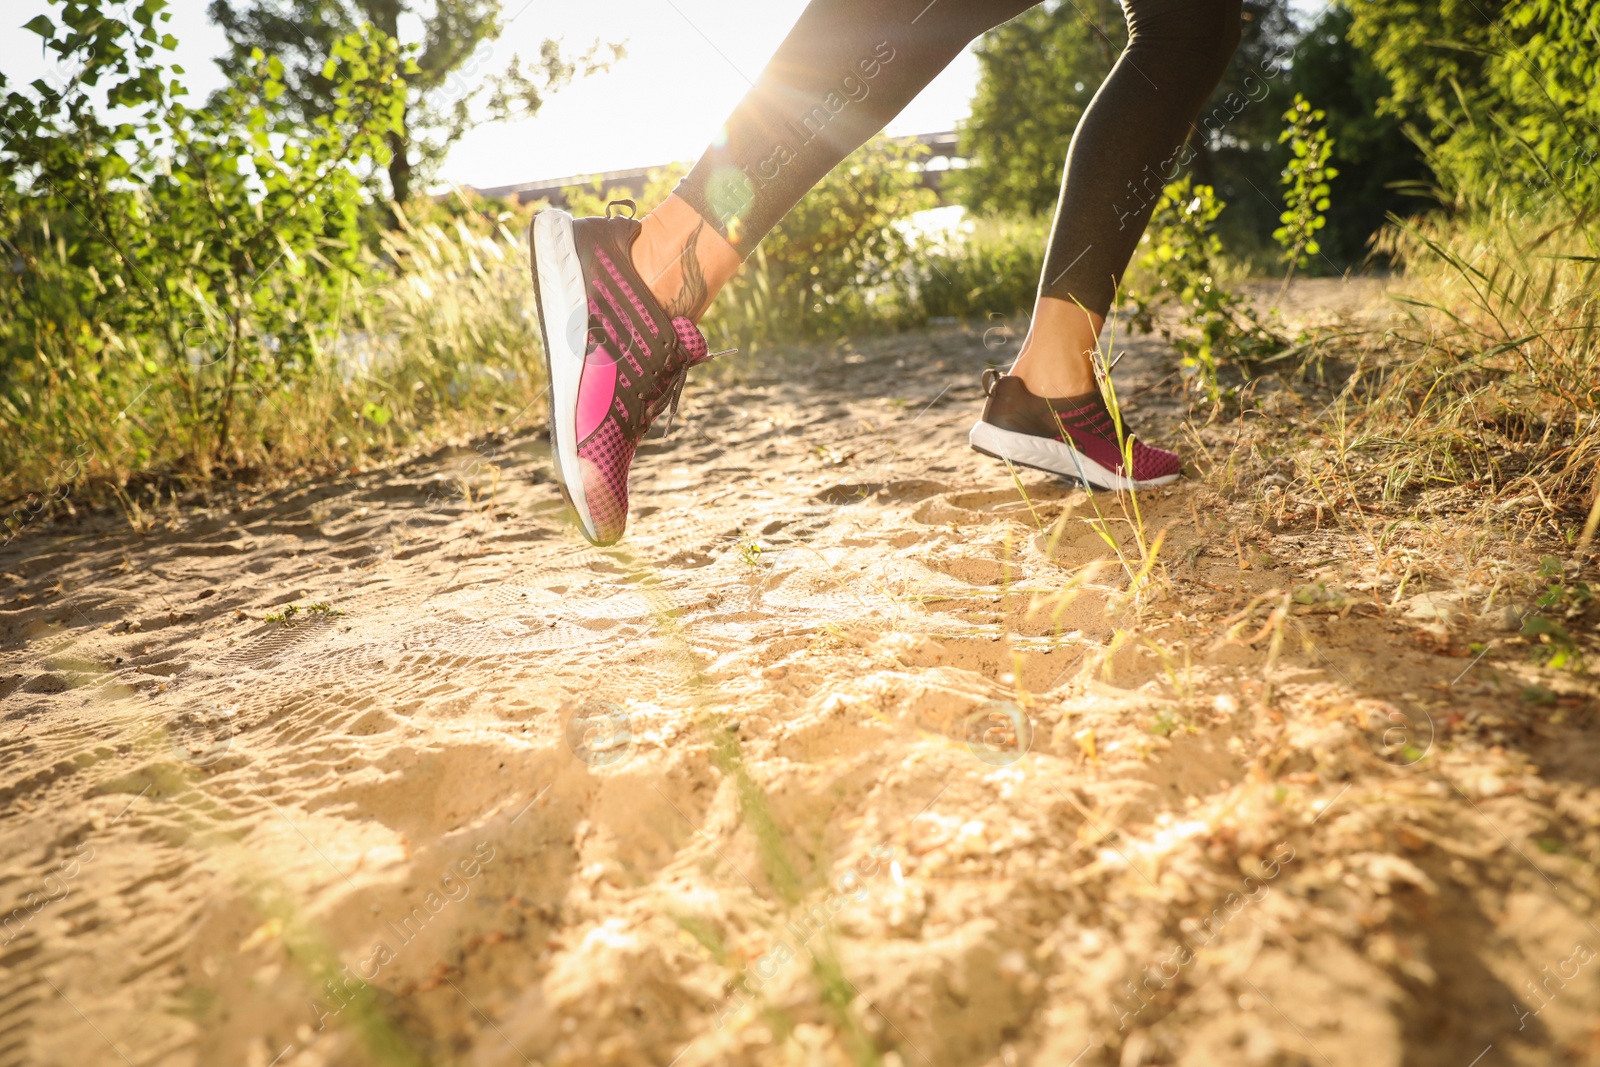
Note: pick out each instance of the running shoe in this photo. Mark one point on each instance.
(614, 357)
(1075, 437)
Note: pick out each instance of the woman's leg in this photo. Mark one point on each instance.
(845, 69)
(1048, 412)
(1133, 129)
(616, 359)
(848, 67)
(618, 298)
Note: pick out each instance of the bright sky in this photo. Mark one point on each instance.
(689, 62)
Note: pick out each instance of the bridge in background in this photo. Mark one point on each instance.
(942, 158)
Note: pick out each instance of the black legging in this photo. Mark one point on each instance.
(849, 66)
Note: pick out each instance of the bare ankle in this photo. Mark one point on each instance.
(1053, 378)
(1057, 356)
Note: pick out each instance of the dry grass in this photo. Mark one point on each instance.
(1492, 384)
(440, 343)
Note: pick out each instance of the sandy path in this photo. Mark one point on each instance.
(751, 788)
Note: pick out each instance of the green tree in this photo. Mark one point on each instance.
(1502, 95)
(454, 48)
(1431, 52)
(163, 251)
(1037, 74)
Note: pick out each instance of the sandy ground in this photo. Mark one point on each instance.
(857, 750)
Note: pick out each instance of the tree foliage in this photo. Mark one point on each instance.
(1504, 95)
(453, 66)
(192, 250)
(1038, 73)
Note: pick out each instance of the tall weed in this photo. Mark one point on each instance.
(1497, 377)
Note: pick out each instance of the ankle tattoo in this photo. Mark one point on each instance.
(691, 297)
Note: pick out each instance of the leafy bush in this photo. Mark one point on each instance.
(192, 293)
(834, 259)
(181, 261)
(1182, 255)
(840, 260)
(1503, 95)
(1381, 170)
(1305, 184)
(990, 267)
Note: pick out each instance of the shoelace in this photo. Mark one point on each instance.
(667, 397)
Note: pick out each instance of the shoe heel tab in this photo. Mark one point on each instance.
(1008, 388)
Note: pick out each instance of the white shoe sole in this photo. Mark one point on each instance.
(1055, 457)
(564, 326)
